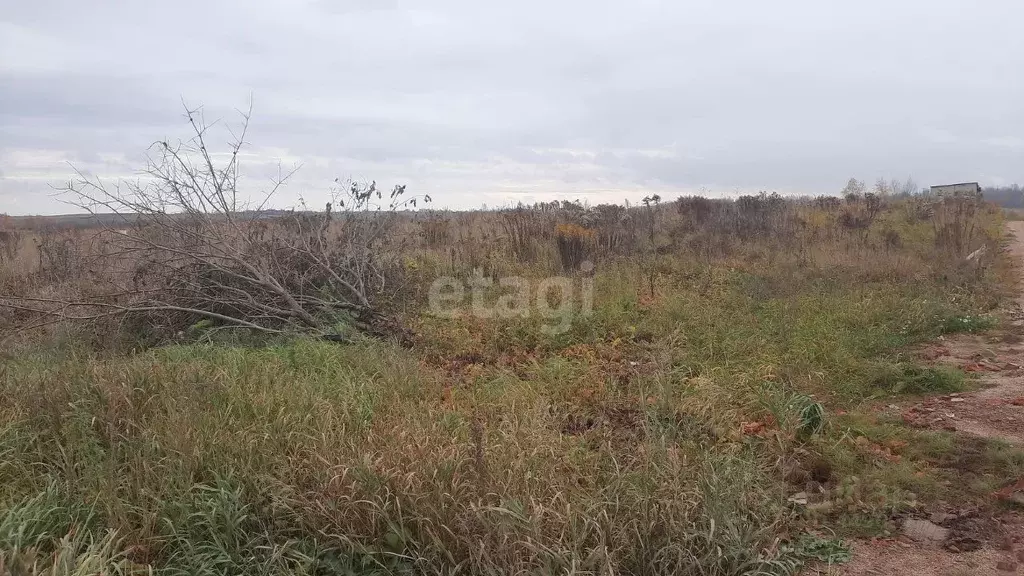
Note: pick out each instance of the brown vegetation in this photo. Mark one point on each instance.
(714, 413)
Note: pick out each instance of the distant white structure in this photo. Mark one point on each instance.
(953, 189)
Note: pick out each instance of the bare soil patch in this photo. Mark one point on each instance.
(980, 538)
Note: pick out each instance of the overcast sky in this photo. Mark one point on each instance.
(479, 102)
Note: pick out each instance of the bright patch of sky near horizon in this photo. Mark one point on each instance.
(485, 103)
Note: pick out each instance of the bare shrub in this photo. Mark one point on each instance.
(828, 203)
(697, 210)
(614, 227)
(521, 225)
(762, 216)
(188, 247)
(10, 240)
(704, 226)
(892, 239)
(860, 213)
(855, 221)
(918, 210)
(648, 225)
(953, 220)
(60, 256)
(436, 230)
(575, 245)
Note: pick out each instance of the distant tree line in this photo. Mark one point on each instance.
(1006, 196)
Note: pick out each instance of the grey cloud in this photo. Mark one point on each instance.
(476, 102)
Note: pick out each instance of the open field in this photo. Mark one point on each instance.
(707, 395)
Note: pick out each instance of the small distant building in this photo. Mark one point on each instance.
(963, 188)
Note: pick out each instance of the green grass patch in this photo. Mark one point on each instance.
(967, 323)
(895, 379)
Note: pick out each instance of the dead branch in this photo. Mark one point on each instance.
(188, 242)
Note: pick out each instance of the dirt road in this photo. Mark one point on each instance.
(994, 411)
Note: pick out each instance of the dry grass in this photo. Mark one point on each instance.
(661, 434)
